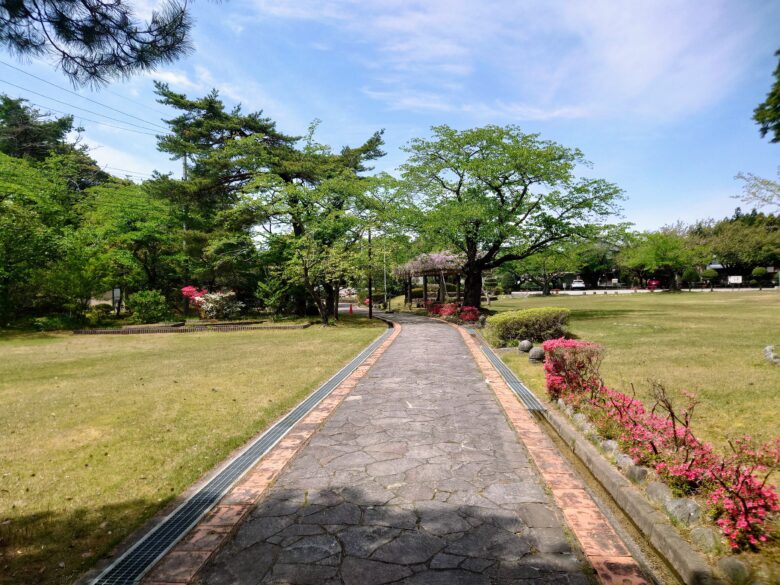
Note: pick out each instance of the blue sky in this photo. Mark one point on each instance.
(658, 94)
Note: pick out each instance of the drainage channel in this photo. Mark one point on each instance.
(129, 568)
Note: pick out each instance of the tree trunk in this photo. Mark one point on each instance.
(442, 294)
(119, 303)
(337, 292)
(330, 298)
(408, 291)
(472, 288)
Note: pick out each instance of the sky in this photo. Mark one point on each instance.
(658, 94)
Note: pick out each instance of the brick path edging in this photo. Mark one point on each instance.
(602, 546)
(184, 561)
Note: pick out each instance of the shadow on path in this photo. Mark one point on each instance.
(352, 536)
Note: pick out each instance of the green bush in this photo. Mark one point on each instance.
(690, 276)
(55, 323)
(148, 306)
(100, 314)
(709, 274)
(507, 329)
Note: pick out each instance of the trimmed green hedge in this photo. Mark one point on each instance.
(507, 329)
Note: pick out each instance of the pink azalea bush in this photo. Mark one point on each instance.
(452, 312)
(194, 295)
(469, 314)
(214, 305)
(735, 485)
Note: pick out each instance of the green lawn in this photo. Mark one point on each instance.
(708, 343)
(100, 432)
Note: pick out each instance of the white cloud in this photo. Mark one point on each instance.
(140, 165)
(177, 79)
(420, 101)
(657, 60)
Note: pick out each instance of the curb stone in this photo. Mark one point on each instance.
(690, 565)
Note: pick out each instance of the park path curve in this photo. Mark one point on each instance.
(417, 478)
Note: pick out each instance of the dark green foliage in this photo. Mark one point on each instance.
(690, 276)
(148, 306)
(767, 114)
(55, 323)
(95, 40)
(539, 324)
(26, 133)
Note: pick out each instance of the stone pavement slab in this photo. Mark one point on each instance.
(417, 477)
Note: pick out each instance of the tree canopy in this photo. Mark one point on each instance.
(95, 40)
(767, 114)
(497, 195)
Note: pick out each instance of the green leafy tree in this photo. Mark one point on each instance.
(95, 40)
(767, 114)
(498, 195)
(666, 253)
(742, 241)
(548, 267)
(78, 274)
(139, 235)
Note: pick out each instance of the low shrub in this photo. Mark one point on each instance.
(55, 323)
(541, 324)
(469, 314)
(148, 306)
(100, 314)
(572, 368)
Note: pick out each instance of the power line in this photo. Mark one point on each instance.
(129, 172)
(76, 107)
(80, 117)
(136, 102)
(83, 96)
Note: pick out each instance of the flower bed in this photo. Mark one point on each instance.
(453, 312)
(735, 485)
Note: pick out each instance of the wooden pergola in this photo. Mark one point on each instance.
(439, 265)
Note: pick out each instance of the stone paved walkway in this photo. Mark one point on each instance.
(416, 478)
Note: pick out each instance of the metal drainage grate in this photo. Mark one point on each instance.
(523, 393)
(130, 567)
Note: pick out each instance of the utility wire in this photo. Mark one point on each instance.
(129, 172)
(83, 96)
(136, 102)
(76, 107)
(80, 117)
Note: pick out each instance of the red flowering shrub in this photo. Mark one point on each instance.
(742, 499)
(448, 310)
(451, 312)
(571, 367)
(735, 485)
(193, 294)
(469, 314)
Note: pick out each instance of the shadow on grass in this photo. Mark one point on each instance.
(350, 534)
(54, 548)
